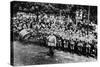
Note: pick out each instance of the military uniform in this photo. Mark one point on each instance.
(72, 45)
(65, 45)
(79, 48)
(51, 44)
(88, 48)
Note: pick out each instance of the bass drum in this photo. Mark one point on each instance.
(24, 34)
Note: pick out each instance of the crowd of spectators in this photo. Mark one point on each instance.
(47, 23)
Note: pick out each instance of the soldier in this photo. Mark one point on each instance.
(65, 44)
(57, 39)
(88, 48)
(84, 48)
(75, 47)
(62, 43)
(59, 43)
(68, 42)
(72, 45)
(79, 48)
(94, 49)
(51, 44)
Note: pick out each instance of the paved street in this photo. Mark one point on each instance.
(33, 54)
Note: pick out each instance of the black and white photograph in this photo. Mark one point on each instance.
(52, 33)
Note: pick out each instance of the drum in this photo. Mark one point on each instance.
(23, 32)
